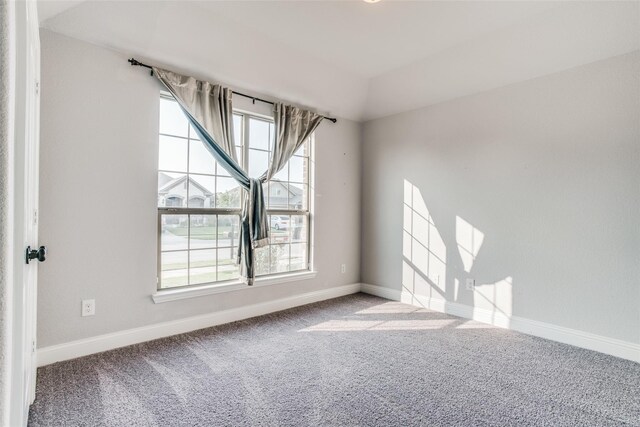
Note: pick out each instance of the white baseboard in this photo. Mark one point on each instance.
(84, 347)
(614, 347)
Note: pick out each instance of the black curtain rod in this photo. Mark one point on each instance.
(133, 61)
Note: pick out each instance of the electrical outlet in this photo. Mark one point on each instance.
(343, 268)
(471, 283)
(88, 307)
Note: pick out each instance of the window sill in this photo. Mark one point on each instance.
(167, 295)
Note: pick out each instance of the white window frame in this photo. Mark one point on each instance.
(188, 291)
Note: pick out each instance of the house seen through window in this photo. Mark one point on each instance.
(199, 204)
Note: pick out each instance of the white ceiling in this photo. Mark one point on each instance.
(354, 59)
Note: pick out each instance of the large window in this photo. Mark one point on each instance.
(199, 204)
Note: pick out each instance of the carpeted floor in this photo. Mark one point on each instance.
(351, 361)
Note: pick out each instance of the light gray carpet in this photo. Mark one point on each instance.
(356, 360)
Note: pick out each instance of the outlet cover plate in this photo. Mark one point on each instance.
(88, 307)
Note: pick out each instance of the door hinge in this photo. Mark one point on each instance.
(37, 88)
(33, 346)
(35, 217)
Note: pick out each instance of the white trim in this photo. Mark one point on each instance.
(166, 295)
(380, 291)
(84, 347)
(612, 346)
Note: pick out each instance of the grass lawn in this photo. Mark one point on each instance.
(209, 232)
(202, 233)
(194, 264)
(199, 278)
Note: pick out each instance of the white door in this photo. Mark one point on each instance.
(32, 154)
(27, 121)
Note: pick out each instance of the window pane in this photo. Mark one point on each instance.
(239, 156)
(172, 189)
(237, 129)
(200, 159)
(262, 260)
(228, 193)
(283, 174)
(228, 230)
(227, 267)
(201, 191)
(280, 254)
(258, 163)
(279, 225)
(173, 154)
(259, 134)
(203, 231)
(172, 120)
(297, 169)
(174, 230)
(298, 256)
(297, 196)
(303, 150)
(278, 195)
(299, 228)
(222, 171)
(192, 133)
(174, 269)
(202, 266)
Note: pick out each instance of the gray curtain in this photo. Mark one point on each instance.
(208, 108)
(292, 128)
(209, 104)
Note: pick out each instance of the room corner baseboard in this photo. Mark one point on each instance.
(85, 347)
(602, 344)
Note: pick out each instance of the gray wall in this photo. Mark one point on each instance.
(547, 169)
(99, 135)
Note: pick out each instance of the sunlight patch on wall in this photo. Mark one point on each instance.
(423, 249)
(498, 296)
(424, 263)
(469, 240)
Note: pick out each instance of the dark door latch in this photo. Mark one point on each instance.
(36, 254)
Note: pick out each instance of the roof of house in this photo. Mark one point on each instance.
(173, 182)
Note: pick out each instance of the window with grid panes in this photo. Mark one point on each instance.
(199, 204)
